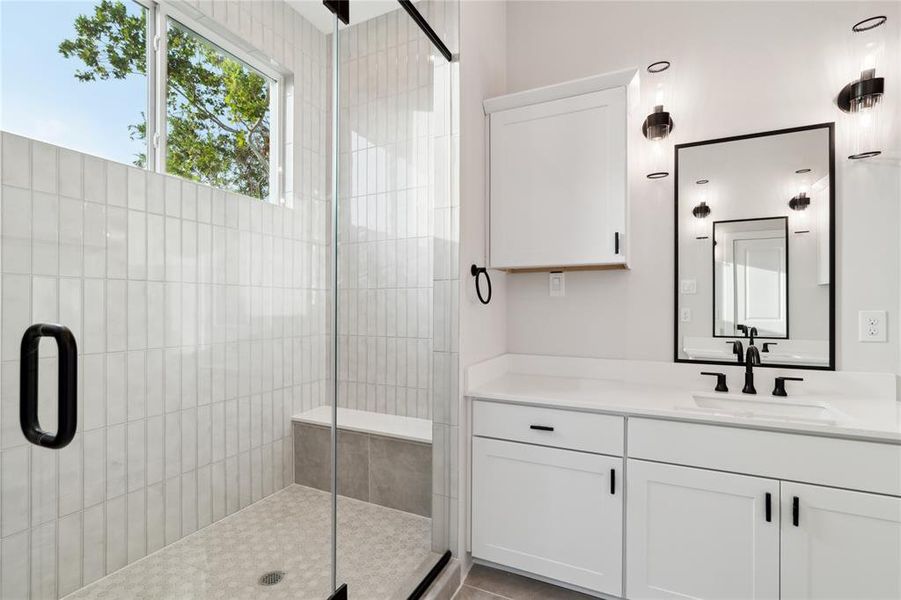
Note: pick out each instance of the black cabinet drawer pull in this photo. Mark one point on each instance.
(541, 427)
(67, 382)
(613, 481)
(796, 511)
(769, 507)
(616, 242)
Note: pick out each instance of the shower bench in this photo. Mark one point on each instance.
(383, 459)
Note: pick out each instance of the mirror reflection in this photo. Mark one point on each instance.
(754, 221)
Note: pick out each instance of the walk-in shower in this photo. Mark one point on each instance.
(237, 222)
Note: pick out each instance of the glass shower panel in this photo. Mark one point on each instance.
(396, 299)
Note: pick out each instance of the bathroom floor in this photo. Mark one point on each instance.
(378, 549)
(485, 583)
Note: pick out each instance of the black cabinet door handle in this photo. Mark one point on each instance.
(541, 427)
(616, 242)
(796, 511)
(769, 507)
(613, 481)
(67, 391)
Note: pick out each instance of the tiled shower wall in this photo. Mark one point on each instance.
(201, 325)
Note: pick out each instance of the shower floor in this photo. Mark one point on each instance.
(379, 552)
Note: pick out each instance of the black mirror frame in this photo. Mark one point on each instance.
(830, 127)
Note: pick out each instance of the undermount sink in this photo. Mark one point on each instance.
(763, 408)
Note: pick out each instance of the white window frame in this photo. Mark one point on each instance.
(158, 15)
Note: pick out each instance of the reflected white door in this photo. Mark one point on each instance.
(761, 298)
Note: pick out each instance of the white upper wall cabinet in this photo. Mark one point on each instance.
(559, 174)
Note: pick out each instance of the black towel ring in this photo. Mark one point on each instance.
(475, 272)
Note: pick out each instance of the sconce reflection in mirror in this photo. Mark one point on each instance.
(862, 98)
(701, 212)
(800, 201)
(658, 124)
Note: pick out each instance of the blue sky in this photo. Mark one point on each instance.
(39, 95)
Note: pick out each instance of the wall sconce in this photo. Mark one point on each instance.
(658, 124)
(862, 98)
(701, 211)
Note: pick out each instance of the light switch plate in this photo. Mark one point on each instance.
(556, 284)
(688, 286)
(685, 314)
(872, 326)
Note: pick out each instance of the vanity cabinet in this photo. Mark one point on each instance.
(559, 174)
(695, 533)
(845, 544)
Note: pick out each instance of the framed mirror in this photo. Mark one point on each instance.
(755, 248)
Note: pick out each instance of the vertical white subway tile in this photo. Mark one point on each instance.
(16, 213)
(135, 446)
(94, 544)
(43, 561)
(173, 445)
(116, 243)
(10, 434)
(244, 482)
(70, 296)
(203, 436)
(188, 201)
(70, 556)
(173, 197)
(71, 219)
(45, 234)
(94, 391)
(94, 467)
(156, 193)
(173, 509)
(204, 498)
(137, 189)
(136, 385)
(116, 388)
(173, 379)
(218, 489)
(94, 180)
(16, 160)
(156, 247)
(173, 320)
(173, 249)
(204, 203)
(115, 461)
(188, 440)
(136, 309)
(43, 485)
(116, 315)
(156, 517)
(156, 442)
(155, 383)
(232, 501)
(14, 490)
(70, 479)
(188, 503)
(116, 184)
(136, 526)
(14, 560)
(137, 245)
(94, 316)
(44, 167)
(94, 240)
(156, 314)
(116, 540)
(70, 169)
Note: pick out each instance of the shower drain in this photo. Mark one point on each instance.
(271, 578)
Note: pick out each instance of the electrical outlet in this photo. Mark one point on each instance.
(556, 284)
(688, 286)
(685, 314)
(872, 326)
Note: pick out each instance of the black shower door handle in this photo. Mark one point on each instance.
(67, 396)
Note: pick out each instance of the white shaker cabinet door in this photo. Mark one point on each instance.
(555, 513)
(840, 544)
(694, 533)
(558, 182)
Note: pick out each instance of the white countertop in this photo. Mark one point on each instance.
(362, 421)
(863, 406)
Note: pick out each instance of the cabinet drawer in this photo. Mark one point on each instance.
(867, 466)
(589, 432)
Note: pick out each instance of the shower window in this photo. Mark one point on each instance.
(218, 116)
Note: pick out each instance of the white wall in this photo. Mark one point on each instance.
(738, 67)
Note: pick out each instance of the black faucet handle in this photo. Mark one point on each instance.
(743, 329)
(720, 381)
(738, 350)
(779, 390)
(766, 346)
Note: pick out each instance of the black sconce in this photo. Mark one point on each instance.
(799, 202)
(862, 97)
(701, 211)
(658, 124)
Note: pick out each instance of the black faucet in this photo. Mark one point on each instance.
(737, 350)
(751, 358)
(743, 329)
